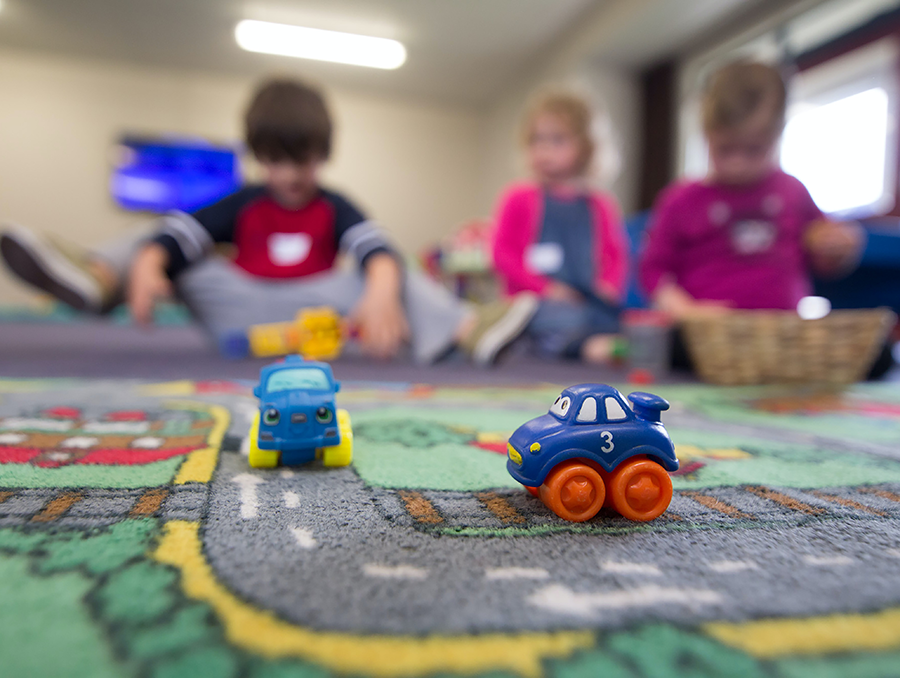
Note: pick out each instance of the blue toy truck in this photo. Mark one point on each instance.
(593, 450)
(297, 419)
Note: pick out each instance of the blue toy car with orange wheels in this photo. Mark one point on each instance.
(593, 450)
(297, 420)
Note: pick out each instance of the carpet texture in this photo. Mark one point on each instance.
(136, 541)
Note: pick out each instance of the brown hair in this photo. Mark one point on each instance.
(287, 119)
(738, 91)
(574, 111)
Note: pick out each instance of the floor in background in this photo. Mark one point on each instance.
(136, 541)
(104, 349)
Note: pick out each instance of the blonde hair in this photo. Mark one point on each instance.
(738, 91)
(574, 111)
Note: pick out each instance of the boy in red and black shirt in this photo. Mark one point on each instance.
(287, 235)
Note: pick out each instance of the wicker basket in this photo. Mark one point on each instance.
(764, 347)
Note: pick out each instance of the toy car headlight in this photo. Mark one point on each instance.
(271, 416)
(323, 415)
(514, 454)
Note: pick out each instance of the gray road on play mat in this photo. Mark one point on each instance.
(320, 549)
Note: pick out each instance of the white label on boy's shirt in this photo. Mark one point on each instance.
(545, 257)
(289, 249)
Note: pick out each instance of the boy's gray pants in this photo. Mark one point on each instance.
(225, 298)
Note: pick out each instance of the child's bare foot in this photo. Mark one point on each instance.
(68, 275)
(598, 349)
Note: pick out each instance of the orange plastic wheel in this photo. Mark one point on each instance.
(574, 491)
(641, 489)
(533, 491)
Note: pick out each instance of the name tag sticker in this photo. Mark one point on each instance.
(289, 249)
(545, 257)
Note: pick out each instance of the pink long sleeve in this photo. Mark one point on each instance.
(614, 252)
(514, 232)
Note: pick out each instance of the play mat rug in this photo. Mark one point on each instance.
(135, 540)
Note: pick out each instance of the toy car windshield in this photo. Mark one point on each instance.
(305, 378)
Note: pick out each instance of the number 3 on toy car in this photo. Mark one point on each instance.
(607, 437)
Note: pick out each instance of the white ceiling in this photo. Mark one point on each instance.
(458, 50)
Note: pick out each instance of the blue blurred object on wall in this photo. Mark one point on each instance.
(162, 174)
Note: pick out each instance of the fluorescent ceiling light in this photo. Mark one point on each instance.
(313, 43)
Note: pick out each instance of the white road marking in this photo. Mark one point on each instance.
(286, 473)
(505, 573)
(12, 438)
(249, 500)
(645, 569)
(559, 598)
(304, 537)
(246, 409)
(148, 442)
(291, 499)
(56, 425)
(394, 571)
(120, 427)
(894, 553)
(729, 566)
(245, 446)
(827, 561)
(79, 442)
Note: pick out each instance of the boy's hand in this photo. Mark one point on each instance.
(379, 317)
(560, 291)
(675, 301)
(147, 281)
(834, 248)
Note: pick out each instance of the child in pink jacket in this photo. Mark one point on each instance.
(558, 238)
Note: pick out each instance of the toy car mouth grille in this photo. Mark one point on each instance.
(298, 418)
(266, 436)
(330, 432)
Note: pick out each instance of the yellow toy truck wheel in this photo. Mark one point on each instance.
(342, 454)
(260, 458)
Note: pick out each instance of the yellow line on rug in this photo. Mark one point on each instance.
(260, 631)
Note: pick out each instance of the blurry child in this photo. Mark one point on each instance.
(287, 235)
(557, 237)
(748, 235)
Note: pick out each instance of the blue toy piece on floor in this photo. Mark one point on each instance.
(592, 450)
(297, 419)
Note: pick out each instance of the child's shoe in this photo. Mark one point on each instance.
(53, 268)
(498, 324)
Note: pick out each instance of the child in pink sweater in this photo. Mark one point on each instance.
(560, 239)
(748, 235)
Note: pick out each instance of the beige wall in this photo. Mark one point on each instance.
(413, 165)
(612, 92)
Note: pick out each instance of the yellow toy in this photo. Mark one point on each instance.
(315, 333)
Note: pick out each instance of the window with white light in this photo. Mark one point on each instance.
(839, 137)
(838, 151)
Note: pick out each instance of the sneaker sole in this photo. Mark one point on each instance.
(506, 330)
(40, 266)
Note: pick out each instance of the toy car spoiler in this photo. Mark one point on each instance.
(648, 406)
